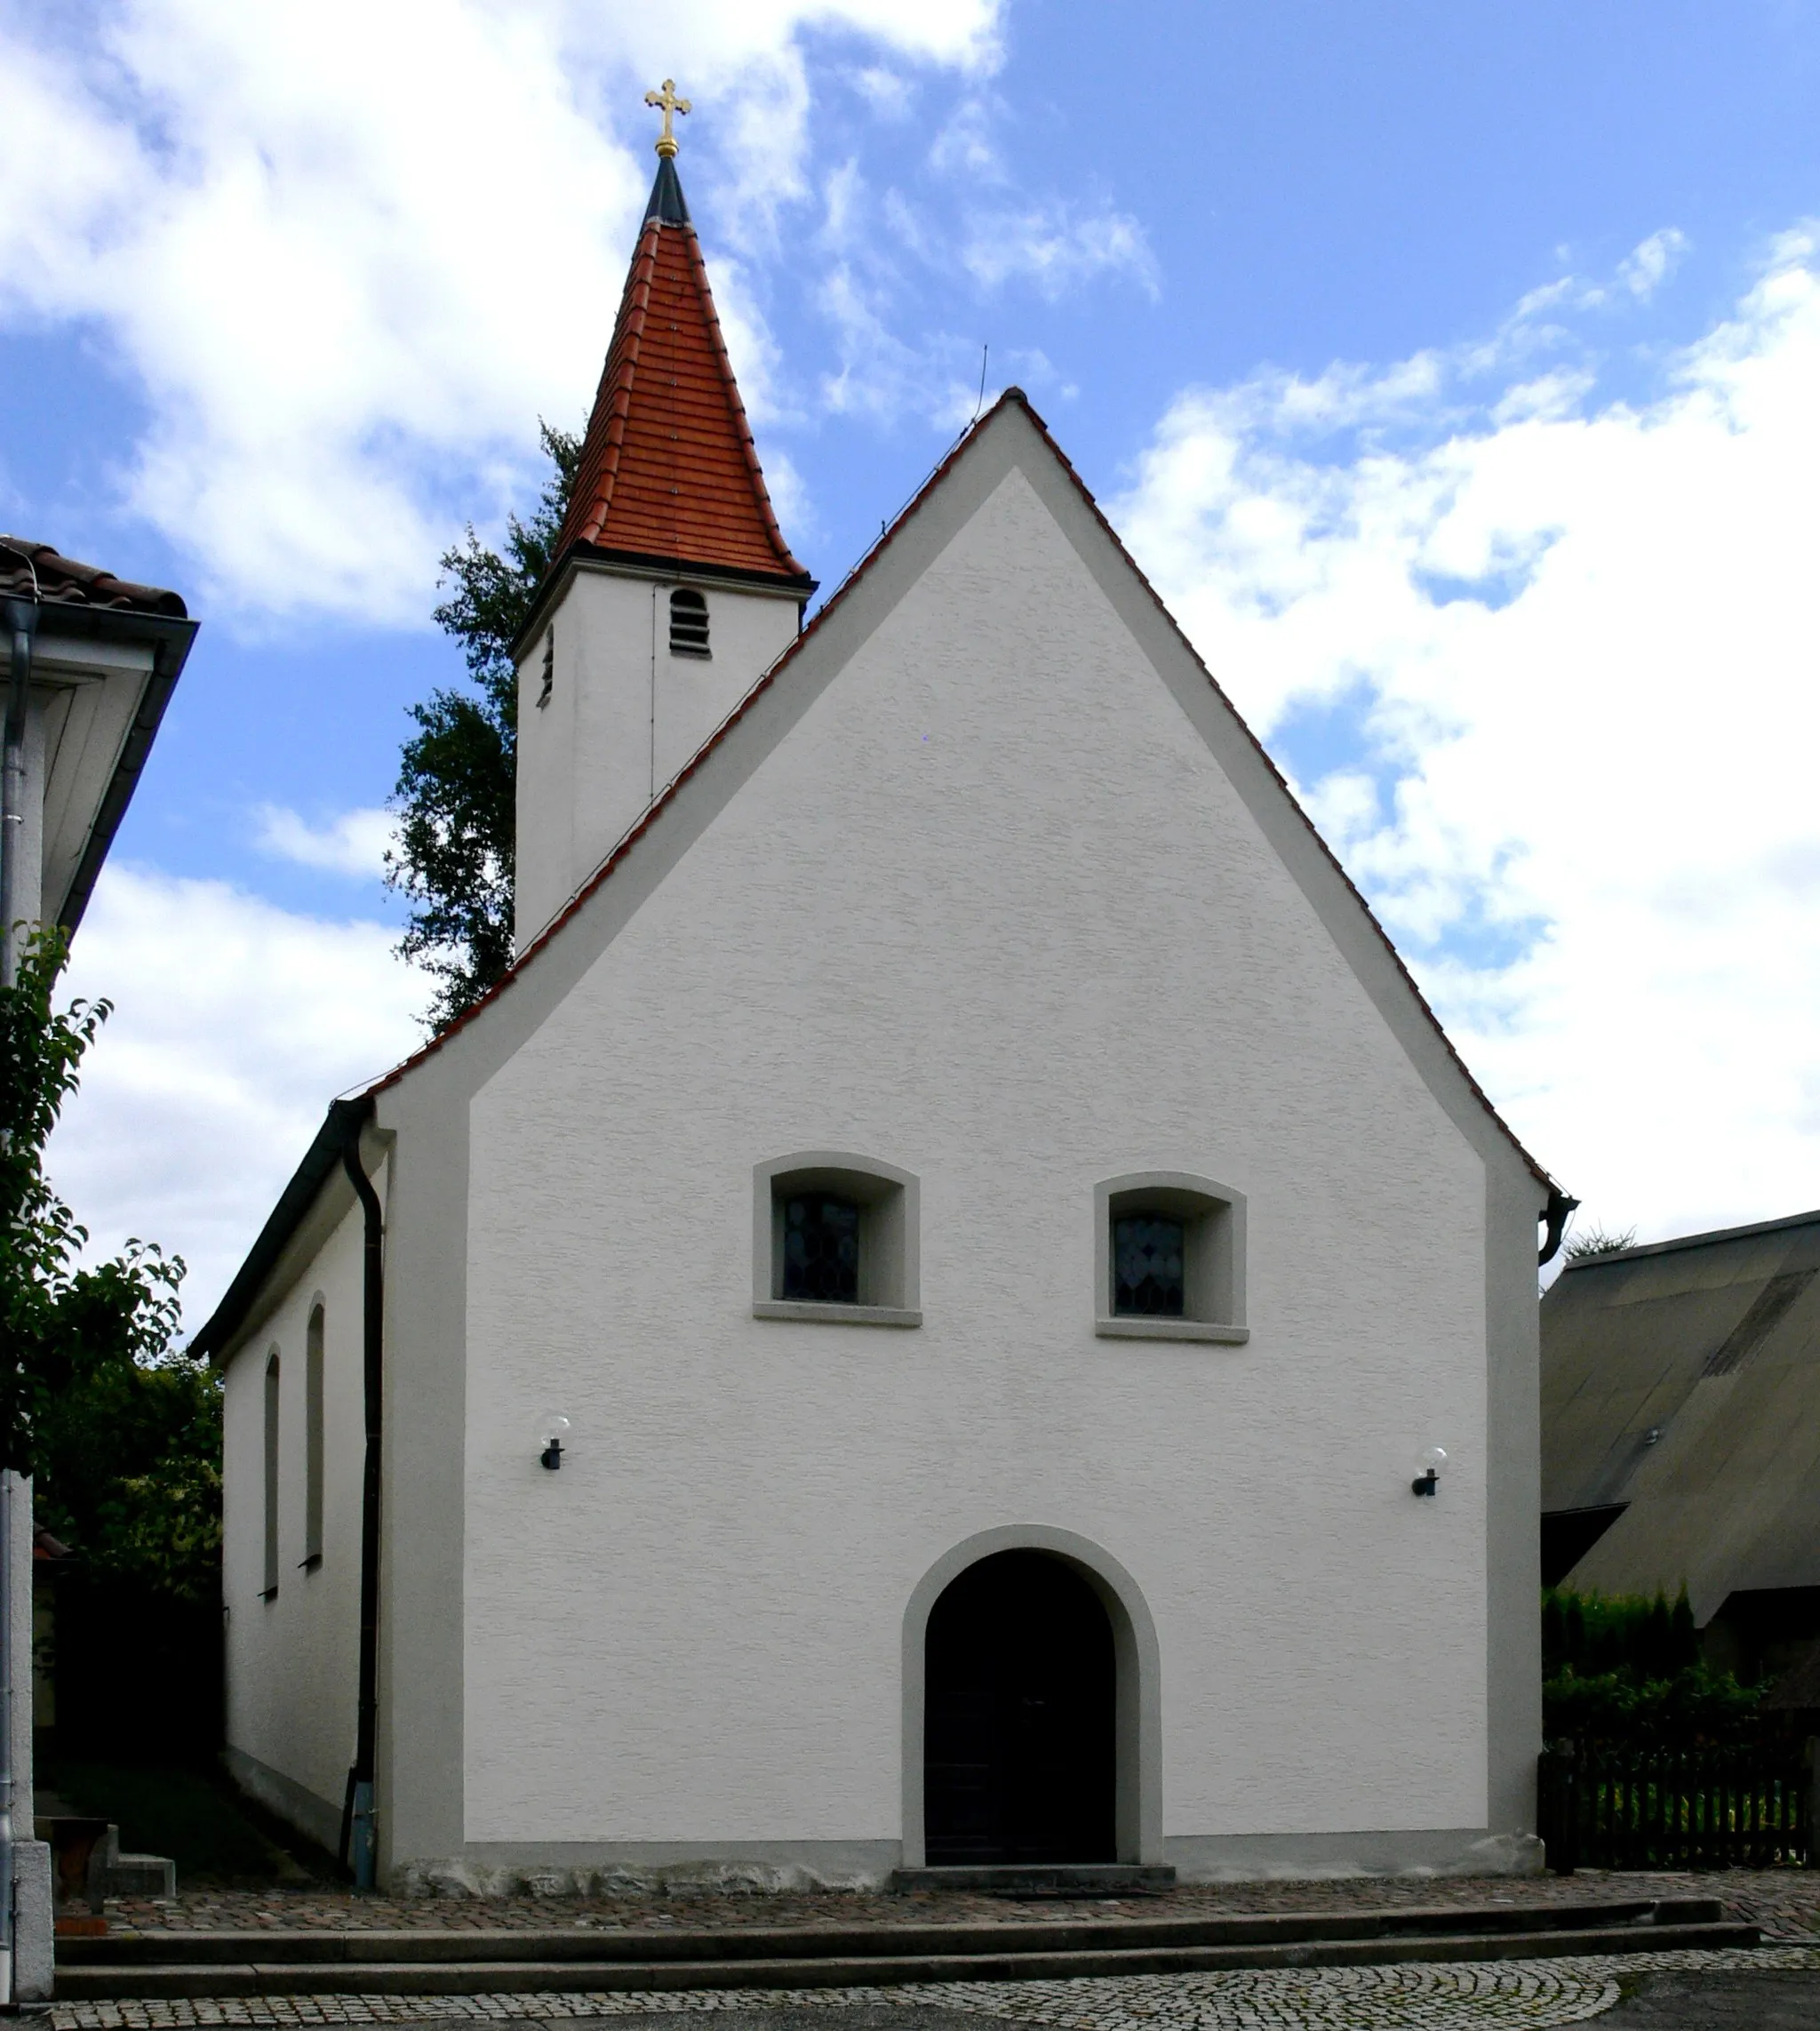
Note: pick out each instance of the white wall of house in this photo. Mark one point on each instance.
(993, 913)
(623, 716)
(291, 1660)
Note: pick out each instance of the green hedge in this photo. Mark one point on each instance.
(1625, 1669)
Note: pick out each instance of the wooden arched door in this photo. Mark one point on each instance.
(1019, 1752)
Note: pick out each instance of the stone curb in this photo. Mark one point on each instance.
(469, 1977)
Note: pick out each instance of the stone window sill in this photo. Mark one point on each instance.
(834, 1315)
(1171, 1329)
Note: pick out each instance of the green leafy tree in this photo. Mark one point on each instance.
(121, 1434)
(456, 795)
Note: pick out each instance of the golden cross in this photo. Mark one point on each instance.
(669, 100)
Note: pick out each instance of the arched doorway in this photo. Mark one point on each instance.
(1020, 1751)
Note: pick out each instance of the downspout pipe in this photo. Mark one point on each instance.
(1558, 1212)
(22, 620)
(359, 1832)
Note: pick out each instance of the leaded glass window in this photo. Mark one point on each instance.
(1148, 1260)
(821, 1249)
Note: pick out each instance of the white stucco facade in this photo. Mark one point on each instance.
(622, 712)
(986, 885)
(291, 1656)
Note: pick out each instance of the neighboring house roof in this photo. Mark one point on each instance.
(324, 1157)
(30, 570)
(1681, 1396)
(109, 651)
(668, 469)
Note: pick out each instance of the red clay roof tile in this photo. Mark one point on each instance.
(668, 469)
(30, 570)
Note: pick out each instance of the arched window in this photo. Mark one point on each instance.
(834, 1239)
(270, 1590)
(313, 1444)
(1169, 1259)
(689, 623)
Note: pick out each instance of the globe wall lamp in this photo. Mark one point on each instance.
(551, 1431)
(1429, 1479)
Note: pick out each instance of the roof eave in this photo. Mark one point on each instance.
(339, 1133)
(797, 585)
(170, 639)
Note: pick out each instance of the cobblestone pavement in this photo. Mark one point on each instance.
(1783, 1901)
(1452, 1996)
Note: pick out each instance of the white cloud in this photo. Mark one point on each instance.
(355, 844)
(882, 245)
(234, 1022)
(1057, 248)
(1575, 638)
(1650, 264)
(346, 286)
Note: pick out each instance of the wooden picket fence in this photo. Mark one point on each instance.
(1675, 1808)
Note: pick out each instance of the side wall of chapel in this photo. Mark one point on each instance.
(291, 1660)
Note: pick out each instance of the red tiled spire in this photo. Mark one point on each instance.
(668, 469)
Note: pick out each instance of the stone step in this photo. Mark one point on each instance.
(868, 1940)
(1042, 1879)
(1323, 1947)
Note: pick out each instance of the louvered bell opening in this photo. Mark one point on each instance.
(689, 623)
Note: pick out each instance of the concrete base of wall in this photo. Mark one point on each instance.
(599, 1868)
(293, 1801)
(1260, 1858)
(34, 1970)
(563, 1869)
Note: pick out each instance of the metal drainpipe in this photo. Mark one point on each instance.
(360, 1832)
(22, 625)
(23, 622)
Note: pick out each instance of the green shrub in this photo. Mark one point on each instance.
(1625, 1668)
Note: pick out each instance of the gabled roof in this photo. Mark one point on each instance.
(849, 589)
(226, 1322)
(1680, 1393)
(668, 469)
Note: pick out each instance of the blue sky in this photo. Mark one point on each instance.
(1383, 331)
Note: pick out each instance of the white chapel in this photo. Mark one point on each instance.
(911, 1331)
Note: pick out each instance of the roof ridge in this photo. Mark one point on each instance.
(1708, 1238)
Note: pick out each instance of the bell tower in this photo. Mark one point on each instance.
(672, 590)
